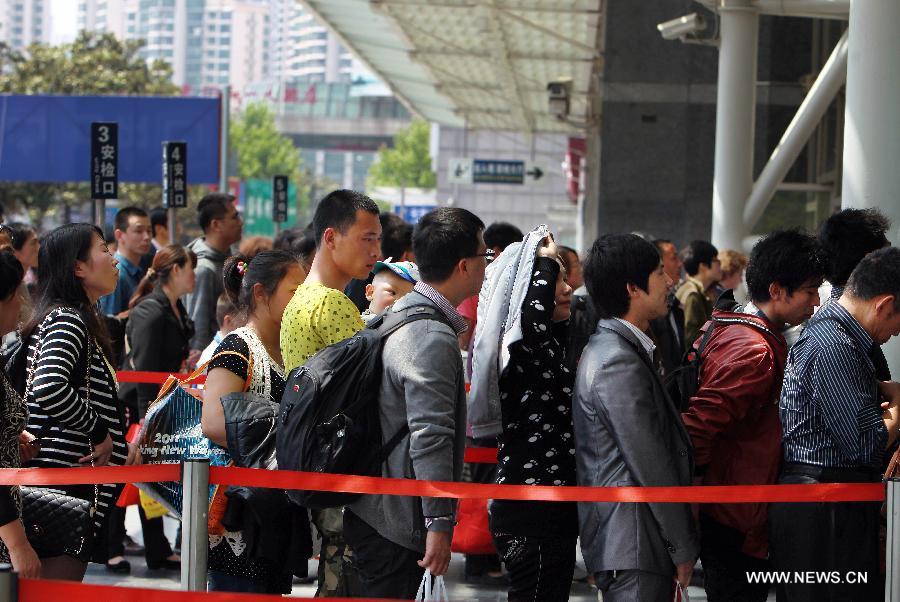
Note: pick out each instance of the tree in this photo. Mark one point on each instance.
(92, 64)
(262, 152)
(408, 164)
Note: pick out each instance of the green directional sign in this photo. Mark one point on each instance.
(258, 208)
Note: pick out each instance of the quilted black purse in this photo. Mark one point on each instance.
(56, 523)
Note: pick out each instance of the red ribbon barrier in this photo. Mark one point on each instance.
(151, 378)
(283, 479)
(38, 590)
(90, 475)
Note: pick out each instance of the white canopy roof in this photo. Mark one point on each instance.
(485, 63)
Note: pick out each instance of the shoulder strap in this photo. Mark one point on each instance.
(172, 382)
(393, 321)
(201, 369)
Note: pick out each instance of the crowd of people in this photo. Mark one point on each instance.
(634, 365)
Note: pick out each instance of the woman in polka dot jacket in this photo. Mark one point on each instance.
(536, 540)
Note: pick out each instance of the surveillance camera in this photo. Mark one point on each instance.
(559, 97)
(681, 27)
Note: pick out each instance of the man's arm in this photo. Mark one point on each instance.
(201, 307)
(623, 391)
(728, 391)
(429, 382)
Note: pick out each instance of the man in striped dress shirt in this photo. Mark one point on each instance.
(837, 421)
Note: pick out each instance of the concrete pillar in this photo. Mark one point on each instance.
(587, 226)
(871, 176)
(735, 113)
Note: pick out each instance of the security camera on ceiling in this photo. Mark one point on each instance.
(682, 27)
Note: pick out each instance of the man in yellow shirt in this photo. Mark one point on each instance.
(348, 243)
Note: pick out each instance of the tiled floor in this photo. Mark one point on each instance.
(459, 591)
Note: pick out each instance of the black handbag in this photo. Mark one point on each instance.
(56, 523)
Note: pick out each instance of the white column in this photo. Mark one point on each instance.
(871, 176)
(735, 113)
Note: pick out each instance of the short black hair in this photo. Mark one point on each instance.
(848, 236)
(500, 235)
(396, 240)
(158, 218)
(224, 307)
(699, 251)
(614, 261)
(11, 274)
(788, 257)
(878, 273)
(338, 210)
(124, 213)
(442, 238)
(389, 220)
(19, 233)
(213, 206)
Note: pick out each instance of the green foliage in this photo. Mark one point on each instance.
(93, 64)
(408, 164)
(262, 152)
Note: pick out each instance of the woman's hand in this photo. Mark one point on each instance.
(28, 447)
(548, 248)
(25, 560)
(134, 455)
(102, 452)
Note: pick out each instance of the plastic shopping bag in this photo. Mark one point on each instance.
(432, 589)
(681, 593)
(171, 433)
(152, 508)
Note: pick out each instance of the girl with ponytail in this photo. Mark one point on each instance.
(260, 288)
(157, 339)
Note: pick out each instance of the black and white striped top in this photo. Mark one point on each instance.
(830, 406)
(62, 416)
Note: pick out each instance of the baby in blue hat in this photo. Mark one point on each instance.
(391, 280)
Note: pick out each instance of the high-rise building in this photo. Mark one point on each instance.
(24, 22)
(302, 49)
(207, 42)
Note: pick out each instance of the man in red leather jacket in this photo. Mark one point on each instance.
(733, 418)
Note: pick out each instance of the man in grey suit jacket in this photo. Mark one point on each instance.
(422, 389)
(628, 432)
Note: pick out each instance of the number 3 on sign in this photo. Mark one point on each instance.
(104, 133)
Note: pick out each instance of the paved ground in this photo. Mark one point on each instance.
(459, 591)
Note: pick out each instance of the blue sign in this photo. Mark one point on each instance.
(48, 138)
(411, 214)
(498, 172)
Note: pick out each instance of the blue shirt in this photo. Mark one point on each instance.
(830, 405)
(129, 277)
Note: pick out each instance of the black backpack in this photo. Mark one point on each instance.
(687, 377)
(329, 420)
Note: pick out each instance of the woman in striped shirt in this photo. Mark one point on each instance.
(72, 392)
